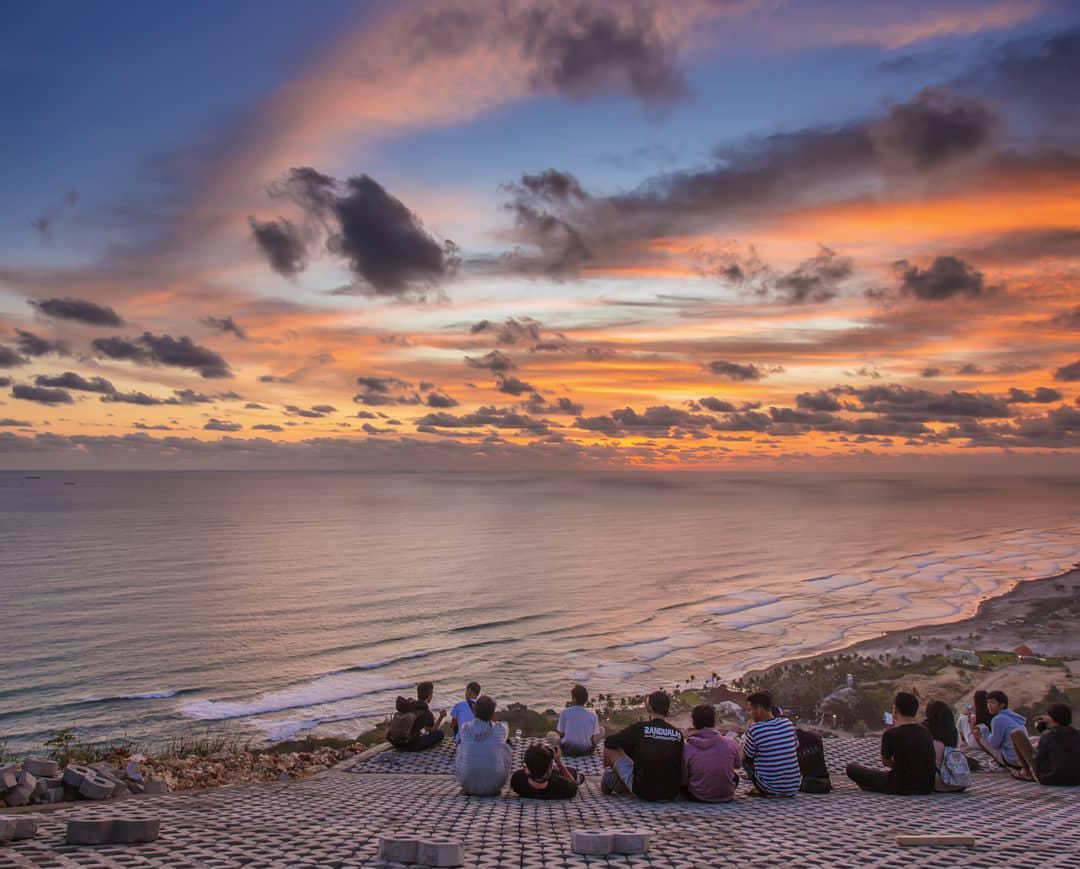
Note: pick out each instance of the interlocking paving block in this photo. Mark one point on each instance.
(337, 820)
(8, 777)
(7, 828)
(41, 766)
(96, 787)
(89, 831)
(440, 852)
(397, 848)
(629, 841)
(154, 786)
(591, 841)
(75, 773)
(128, 831)
(26, 827)
(26, 779)
(19, 795)
(440, 760)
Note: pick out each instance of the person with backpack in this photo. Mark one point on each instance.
(413, 727)
(907, 749)
(953, 771)
(482, 764)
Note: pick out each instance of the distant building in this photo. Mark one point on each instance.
(965, 658)
(1024, 651)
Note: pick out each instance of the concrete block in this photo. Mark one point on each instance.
(96, 787)
(397, 849)
(41, 767)
(26, 779)
(136, 787)
(440, 852)
(70, 794)
(120, 790)
(54, 795)
(25, 827)
(74, 774)
(590, 842)
(629, 841)
(8, 778)
(132, 831)
(18, 796)
(155, 786)
(7, 828)
(89, 831)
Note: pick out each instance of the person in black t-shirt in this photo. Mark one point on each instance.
(645, 759)
(545, 776)
(1057, 760)
(426, 730)
(907, 748)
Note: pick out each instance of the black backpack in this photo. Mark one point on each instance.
(400, 731)
(815, 773)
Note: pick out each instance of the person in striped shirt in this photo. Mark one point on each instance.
(770, 750)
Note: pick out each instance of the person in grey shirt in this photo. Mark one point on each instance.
(483, 760)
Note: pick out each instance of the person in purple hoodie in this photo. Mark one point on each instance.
(709, 760)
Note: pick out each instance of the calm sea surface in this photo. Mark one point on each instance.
(147, 604)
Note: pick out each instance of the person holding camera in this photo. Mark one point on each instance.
(544, 775)
(1057, 759)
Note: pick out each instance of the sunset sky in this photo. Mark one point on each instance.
(697, 234)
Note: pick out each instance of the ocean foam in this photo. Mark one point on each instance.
(318, 692)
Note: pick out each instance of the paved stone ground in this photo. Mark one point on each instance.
(440, 760)
(335, 821)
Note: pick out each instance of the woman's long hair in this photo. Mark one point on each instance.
(982, 711)
(939, 721)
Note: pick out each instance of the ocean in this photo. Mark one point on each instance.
(146, 605)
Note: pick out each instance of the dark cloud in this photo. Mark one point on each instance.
(495, 361)
(934, 128)
(273, 378)
(564, 405)
(41, 394)
(382, 384)
(737, 370)
(191, 396)
(903, 401)
(513, 386)
(946, 278)
(1042, 395)
(497, 417)
(1068, 372)
(716, 405)
(79, 310)
(267, 426)
(150, 349)
(817, 279)
(9, 358)
(586, 49)
(656, 421)
(282, 243)
(555, 247)
(824, 400)
(225, 325)
(5, 381)
(440, 400)
(8, 422)
(34, 345)
(969, 369)
(71, 380)
(221, 425)
(317, 411)
(253, 405)
(134, 397)
(366, 414)
(1069, 319)
(931, 371)
(385, 244)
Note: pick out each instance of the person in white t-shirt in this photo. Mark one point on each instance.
(463, 710)
(578, 731)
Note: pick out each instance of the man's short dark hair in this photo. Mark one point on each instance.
(473, 688)
(1060, 714)
(579, 694)
(703, 716)
(425, 690)
(999, 696)
(761, 699)
(906, 704)
(659, 702)
(484, 708)
(538, 760)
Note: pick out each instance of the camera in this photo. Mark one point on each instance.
(1040, 726)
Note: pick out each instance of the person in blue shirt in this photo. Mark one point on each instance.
(997, 740)
(463, 709)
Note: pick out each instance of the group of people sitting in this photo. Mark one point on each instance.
(924, 757)
(654, 760)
